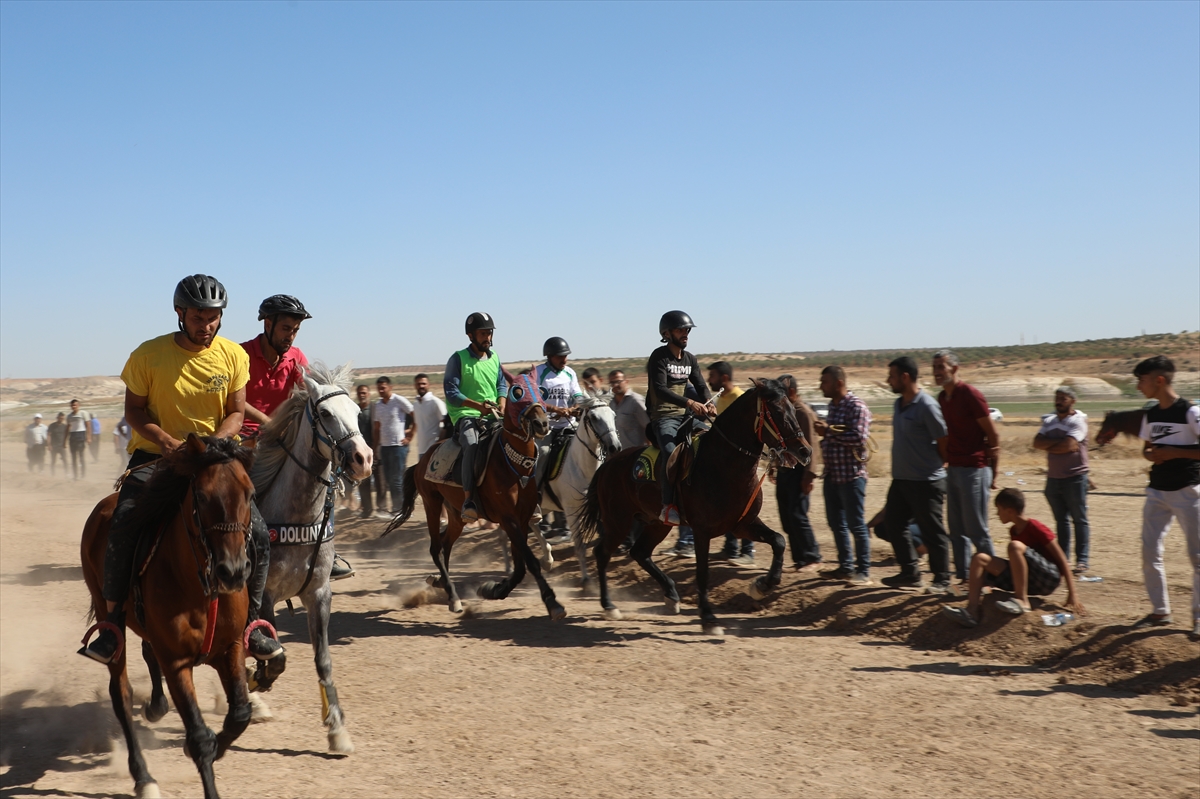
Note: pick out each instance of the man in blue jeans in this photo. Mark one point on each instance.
(1063, 437)
(844, 435)
(793, 488)
(392, 418)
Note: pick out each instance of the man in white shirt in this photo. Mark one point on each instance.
(393, 423)
(1063, 437)
(36, 436)
(428, 412)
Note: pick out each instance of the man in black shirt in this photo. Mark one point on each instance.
(669, 369)
(1171, 430)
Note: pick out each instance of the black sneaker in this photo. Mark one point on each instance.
(903, 580)
(106, 645)
(840, 573)
(939, 587)
(341, 568)
(728, 554)
(263, 646)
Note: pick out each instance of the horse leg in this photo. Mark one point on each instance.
(232, 671)
(643, 548)
(493, 589)
(708, 620)
(758, 531)
(200, 743)
(266, 672)
(439, 549)
(547, 556)
(603, 556)
(502, 538)
(548, 598)
(318, 606)
(122, 699)
(157, 707)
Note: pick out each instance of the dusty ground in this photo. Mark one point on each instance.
(820, 691)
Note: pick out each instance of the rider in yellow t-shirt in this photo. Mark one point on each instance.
(191, 381)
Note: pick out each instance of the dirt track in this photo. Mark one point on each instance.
(821, 691)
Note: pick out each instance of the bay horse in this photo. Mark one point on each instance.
(507, 496)
(594, 441)
(1126, 422)
(720, 495)
(311, 445)
(193, 586)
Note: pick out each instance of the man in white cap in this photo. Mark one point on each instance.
(36, 436)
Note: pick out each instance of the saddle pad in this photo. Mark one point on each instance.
(645, 464)
(557, 458)
(288, 534)
(441, 462)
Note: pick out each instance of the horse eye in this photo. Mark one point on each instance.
(325, 413)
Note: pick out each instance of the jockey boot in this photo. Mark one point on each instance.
(262, 646)
(341, 568)
(104, 649)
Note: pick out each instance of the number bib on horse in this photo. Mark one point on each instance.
(283, 534)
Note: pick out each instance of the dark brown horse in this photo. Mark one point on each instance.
(1127, 422)
(722, 494)
(507, 496)
(193, 587)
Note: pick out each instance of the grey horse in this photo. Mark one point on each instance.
(311, 443)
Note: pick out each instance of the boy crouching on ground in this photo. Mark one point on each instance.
(1036, 564)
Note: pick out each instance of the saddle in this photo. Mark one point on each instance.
(648, 467)
(552, 456)
(445, 464)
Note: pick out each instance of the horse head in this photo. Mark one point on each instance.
(221, 492)
(599, 419)
(1127, 422)
(778, 426)
(333, 416)
(525, 413)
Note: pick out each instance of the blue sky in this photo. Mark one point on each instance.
(796, 176)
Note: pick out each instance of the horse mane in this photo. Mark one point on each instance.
(165, 490)
(588, 402)
(285, 423)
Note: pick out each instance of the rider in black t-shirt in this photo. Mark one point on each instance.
(669, 369)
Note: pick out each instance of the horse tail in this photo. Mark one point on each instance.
(410, 501)
(589, 518)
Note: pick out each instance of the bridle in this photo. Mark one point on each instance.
(205, 571)
(764, 420)
(334, 460)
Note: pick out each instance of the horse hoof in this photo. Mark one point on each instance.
(153, 711)
(260, 711)
(673, 607)
(340, 743)
(548, 565)
(612, 614)
(487, 590)
(755, 591)
(714, 629)
(456, 606)
(147, 790)
(558, 613)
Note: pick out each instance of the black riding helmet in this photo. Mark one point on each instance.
(282, 303)
(479, 321)
(200, 291)
(672, 320)
(556, 346)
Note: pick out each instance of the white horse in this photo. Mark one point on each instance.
(311, 444)
(595, 439)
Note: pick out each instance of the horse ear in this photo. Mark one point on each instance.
(311, 386)
(250, 444)
(756, 382)
(196, 444)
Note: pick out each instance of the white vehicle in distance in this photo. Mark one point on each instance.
(996, 415)
(821, 409)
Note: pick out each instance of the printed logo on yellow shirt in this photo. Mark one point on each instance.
(216, 384)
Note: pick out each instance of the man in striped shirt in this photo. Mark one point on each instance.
(843, 446)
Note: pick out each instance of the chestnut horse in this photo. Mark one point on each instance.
(193, 585)
(507, 496)
(720, 495)
(1127, 422)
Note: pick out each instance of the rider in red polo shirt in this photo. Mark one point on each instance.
(276, 367)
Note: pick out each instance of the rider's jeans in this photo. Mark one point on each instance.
(394, 459)
(664, 430)
(468, 438)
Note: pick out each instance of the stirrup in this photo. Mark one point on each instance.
(270, 633)
(470, 513)
(103, 626)
(341, 568)
(669, 515)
